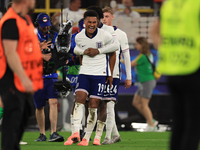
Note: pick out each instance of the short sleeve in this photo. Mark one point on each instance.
(140, 59)
(10, 30)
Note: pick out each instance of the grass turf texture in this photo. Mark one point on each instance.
(130, 140)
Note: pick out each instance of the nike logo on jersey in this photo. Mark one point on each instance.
(83, 45)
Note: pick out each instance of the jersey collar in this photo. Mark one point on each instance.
(101, 25)
(94, 34)
(115, 28)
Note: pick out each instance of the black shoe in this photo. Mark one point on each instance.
(82, 134)
(41, 138)
(55, 137)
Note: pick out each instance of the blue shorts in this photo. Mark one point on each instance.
(41, 96)
(92, 85)
(111, 93)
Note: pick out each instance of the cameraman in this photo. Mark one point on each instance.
(46, 36)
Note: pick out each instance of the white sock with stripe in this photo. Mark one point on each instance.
(78, 115)
(110, 119)
(91, 121)
(99, 129)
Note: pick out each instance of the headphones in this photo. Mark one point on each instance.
(36, 24)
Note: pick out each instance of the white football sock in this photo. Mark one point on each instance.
(78, 115)
(110, 119)
(99, 129)
(91, 121)
(115, 131)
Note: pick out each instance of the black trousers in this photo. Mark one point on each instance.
(185, 92)
(17, 109)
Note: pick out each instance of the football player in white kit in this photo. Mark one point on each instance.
(92, 52)
(124, 49)
(92, 74)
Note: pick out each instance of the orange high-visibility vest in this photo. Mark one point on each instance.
(28, 50)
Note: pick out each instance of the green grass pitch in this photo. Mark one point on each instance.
(130, 141)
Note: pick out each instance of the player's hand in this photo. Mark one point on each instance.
(110, 80)
(91, 52)
(44, 45)
(46, 57)
(86, 52)
(128, 84)
(27, 83)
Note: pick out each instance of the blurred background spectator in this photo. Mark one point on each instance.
(73, 12)
(127, 12)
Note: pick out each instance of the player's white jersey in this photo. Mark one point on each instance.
(99, 64)
(107, 28)
(124, 47)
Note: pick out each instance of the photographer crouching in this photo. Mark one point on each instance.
(47, 43)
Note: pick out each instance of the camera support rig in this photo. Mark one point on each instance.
(61, 50)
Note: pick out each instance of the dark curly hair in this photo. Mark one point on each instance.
(97, 9)
(90, 13)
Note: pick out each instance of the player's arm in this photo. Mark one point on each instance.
(125, 50)
(112, 61)
(78, 50)
(112, 47)
(112, 64)
(80, 59)
(10, 43)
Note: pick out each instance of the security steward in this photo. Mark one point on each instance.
(179, 58)
(45, 35)
(21, 71)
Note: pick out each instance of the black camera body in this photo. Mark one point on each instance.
(60, 53)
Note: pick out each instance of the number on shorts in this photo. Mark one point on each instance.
(101, 87)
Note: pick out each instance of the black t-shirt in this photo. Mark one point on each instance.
(9, 31)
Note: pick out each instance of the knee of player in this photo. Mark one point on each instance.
(93, 105)
(80, 99)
